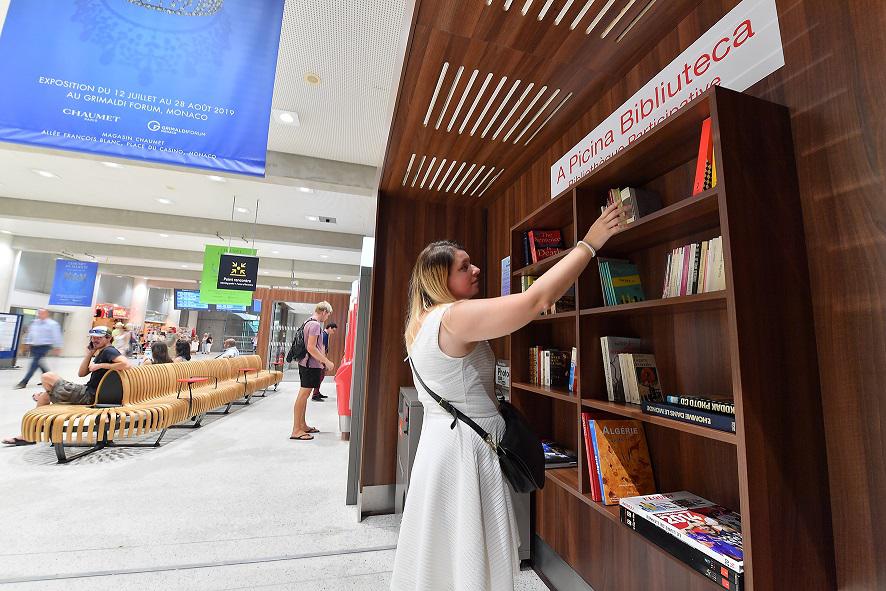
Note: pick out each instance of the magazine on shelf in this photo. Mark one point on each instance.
(558, 455)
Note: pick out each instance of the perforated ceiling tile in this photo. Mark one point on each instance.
(468, 179)
(352, 45)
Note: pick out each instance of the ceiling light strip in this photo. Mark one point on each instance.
(455, 176)
(545, 122)
(445, 176)
(428, 172)
(508, 4)
(563, 11)
(480, 184)
(449, 96)
(465, 177)
(537, 115)
(544, 9)
(492, 182)
(474, 104)
(418, 170)
(474, 180)
(618, 18)
(489, 104)
(461, 101)
(513, 110)
(599, 16)
(436, 92)
(525, 112)
(581, 14)
(526, 7)
(500, 107)
(436, 174)
(634, 22)
(408, 168)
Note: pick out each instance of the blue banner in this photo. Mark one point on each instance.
(73, 284)
(185, 82)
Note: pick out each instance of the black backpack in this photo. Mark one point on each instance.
(299, 348)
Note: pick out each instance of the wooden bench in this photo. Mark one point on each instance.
(147, 399)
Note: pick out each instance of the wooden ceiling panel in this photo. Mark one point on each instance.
(486, 87)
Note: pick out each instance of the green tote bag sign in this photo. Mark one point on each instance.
(209, 291)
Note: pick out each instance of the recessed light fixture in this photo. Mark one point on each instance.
(164, 235)
(242, 210)
(305, 190)
(324, 256)
(312, 218)
(45, 174)
(275, 252)
(120, 238)
(312, 79)
(286, 117)
(5, 232)
(184, 266)
(164, 200)
(113, 164)
(216, 178)
(338, 277)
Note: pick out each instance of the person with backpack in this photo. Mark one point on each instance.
(307, 348)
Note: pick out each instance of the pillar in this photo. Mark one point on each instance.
(139, 301)
(8, 266)
(77, 326)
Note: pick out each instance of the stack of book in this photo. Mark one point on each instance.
(618, 459)
(551, 367)
(702, 534)
(620, 281)
(635, 202)
(695, 268)
(541, 244)
(640, 377)
(715, 413)
(557, 455)
(565, 304)
(611, 347)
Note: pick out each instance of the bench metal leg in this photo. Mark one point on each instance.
(155, 444)
(224, 412)
(197, 420)
(64, 458)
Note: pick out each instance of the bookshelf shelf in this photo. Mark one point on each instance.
(557, 316)
(703, 301)
(564, 477)
(633, 411)
(564, 395)
(543, 265)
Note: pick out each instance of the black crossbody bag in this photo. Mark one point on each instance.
(519, 452)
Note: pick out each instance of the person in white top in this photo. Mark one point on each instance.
(458, 529)
(231, 349)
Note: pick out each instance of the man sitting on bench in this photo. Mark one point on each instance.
(99, 359)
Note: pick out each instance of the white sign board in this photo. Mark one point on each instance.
(741, 49)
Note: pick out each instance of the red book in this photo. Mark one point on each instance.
(705, 163)
(596, 493)
(544, 243)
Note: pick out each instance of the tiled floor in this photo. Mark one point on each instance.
(232, 505)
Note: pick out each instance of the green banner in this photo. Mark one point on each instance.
(209, 293)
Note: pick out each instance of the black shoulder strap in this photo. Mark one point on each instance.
(456, 414)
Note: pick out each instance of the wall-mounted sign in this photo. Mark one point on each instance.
(742, 48)
(73, 283)
(209, 291)
(237, 271)
(188, 299)
(186, 83)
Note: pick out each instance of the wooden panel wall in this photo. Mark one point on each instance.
(339, 303)
(403, 228)
(833, 84)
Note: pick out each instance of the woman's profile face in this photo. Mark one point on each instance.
(464, 278)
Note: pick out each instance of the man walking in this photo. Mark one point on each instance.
(44, 335)
(310, 370)
(327, 332)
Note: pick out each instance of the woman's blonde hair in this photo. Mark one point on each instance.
(429, 284)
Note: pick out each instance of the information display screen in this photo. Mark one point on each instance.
(188, 299)
(229, 308)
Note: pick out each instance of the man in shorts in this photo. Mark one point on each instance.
(100, 357)
(310, 370)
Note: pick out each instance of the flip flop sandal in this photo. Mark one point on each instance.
(313, 430)
(16, 441)
(303, 437)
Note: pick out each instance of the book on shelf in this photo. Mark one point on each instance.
(636, 203)
(705, 175)
(557, 455)
(573, 369)
(723, 406)
(526, 281)
(549, 367)
(544, 244)
(695, 521)
(566, 303)
(506, 276)
(610, 348)
(640, 377)
(622, 459)
(527, 256)
(696, 559)
(620, 281)
(695, 268)
(692, 416)
(593, 474)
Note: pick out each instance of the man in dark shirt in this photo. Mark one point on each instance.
(99, 358)
(327, 332)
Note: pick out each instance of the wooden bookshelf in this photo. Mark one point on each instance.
(543, 265)
(754, 340)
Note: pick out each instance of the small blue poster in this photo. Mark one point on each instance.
(186, 82)
(73, 284)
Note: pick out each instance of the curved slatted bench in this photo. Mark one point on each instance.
(146, 399)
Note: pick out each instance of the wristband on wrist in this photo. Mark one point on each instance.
(589, 247)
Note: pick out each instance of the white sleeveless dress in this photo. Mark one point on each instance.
(458, 530)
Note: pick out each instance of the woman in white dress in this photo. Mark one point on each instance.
(458, 531)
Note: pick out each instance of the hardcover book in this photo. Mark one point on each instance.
(644, 382)
(610, 348)
(704, 168)
(723, 406)
(690, 415)
(625, 282)
(638, 203)
(544, 244)
(622, 456)
(587, 424)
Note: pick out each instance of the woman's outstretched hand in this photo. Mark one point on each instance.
(605, 226)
